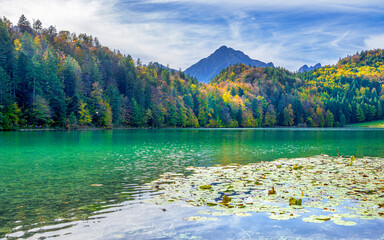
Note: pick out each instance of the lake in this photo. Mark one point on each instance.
(91, 184)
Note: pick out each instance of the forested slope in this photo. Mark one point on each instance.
(65, 80)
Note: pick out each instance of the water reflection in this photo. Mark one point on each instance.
(45, 176)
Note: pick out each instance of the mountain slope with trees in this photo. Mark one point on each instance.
(64, 80)
(207, 68)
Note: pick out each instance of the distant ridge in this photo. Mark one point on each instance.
(209, 67)
(305, 68)
(161, 66)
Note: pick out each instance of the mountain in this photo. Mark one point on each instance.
(209, 67)
(305, 68)
(63, 80)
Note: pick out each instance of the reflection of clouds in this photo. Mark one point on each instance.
(67, 163)
(148, 221)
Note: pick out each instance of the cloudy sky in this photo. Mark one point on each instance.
(288, 33)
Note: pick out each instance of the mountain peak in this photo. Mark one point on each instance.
(223, 57)
(305, 68)
(222, 48)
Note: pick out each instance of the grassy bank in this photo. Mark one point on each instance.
(374, 124)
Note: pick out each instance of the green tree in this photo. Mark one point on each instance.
(343, 120)
(329, 119)
(173, 116)
(102, 112)
(182, 117)
(379, 110)
(202, 117)
(138, 116)
(71, 75)
(320, 117)
(24, 25)
(115, 102)
(6, 95)
(57, 100)
(158, 115)
(360, 116)
(192, 120)
(270, 117)
(6, 50)
(41, 113)
(288, 116)
(149, 119)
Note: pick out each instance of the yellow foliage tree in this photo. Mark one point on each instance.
(85, 117)
(17, 44)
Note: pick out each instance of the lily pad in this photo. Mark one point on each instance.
(283, 188)
(339, 221)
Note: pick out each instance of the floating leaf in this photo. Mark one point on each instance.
(272, 191)
(226, 199)
(237, 189)
(205, 187)
(294, 201)
(339, 221)
(198, 218)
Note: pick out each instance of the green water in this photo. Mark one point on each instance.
(46, 176)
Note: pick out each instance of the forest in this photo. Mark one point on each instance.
(51, 79)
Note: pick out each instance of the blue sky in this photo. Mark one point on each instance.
(181, 32)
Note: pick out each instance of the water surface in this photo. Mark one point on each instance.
(60, 178)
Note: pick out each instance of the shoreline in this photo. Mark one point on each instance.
(348, 127)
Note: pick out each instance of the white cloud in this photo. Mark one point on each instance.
(159, 36)
(324, 5)
(169, 43)
(375, 41)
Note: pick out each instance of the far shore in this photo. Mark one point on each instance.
(373, 124)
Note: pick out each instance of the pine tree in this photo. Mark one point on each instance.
(329, 119)
(24, 25)
(138, 116)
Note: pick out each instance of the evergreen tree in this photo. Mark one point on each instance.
(320, 117)
(24, 25)
(202, 117)
(6, 50)
(138, 116)
(270, 117)
(360, 116)
(329, 119)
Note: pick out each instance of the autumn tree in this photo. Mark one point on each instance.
(102, 113)
(270, 117)
(288, 116)
(84, 115)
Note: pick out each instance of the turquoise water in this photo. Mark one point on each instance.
(48, 177)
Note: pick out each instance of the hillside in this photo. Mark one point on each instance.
(65, 80)
(209, 67)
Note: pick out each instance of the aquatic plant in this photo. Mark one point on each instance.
(279, 191)
(294, 201)
(272, 191)
(226, 199)
(352, 159)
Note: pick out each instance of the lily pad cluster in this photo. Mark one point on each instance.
(339, 188)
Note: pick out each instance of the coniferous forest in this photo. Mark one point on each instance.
(68, 81)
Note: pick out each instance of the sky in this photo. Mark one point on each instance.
(289, 33)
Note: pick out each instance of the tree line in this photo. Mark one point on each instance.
(65, 80)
